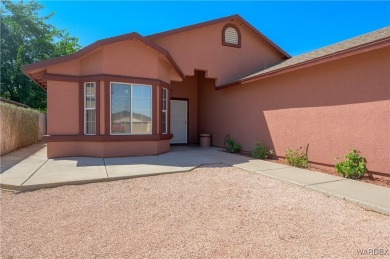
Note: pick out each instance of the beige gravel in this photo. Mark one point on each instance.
(214, 211)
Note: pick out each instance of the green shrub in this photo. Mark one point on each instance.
(232, 147)
(297, 158)
(353, 167)
(261, 152)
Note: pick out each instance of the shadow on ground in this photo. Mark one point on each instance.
(11, 159)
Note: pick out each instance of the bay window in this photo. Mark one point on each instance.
(131, 109)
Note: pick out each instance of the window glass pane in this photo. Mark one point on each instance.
(87, 91)
(164, 120)
(90, 101)
(89, 106)
(92, 89)
(90, 123)
(91, 126)
(131, 109)
(137, 91)
(90, 95)
(120, 109)
(142, 109)
(164, 93)
(146, 103)
(141, 127)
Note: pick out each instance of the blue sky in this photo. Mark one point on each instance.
(297, 27)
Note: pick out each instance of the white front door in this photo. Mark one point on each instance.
(179, 121)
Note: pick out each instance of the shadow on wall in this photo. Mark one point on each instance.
(332, 107)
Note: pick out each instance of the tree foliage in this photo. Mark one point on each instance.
(27, 37)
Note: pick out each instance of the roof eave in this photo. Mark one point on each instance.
(49, 62)
(286, 55)
(337, 55)
(35, 81)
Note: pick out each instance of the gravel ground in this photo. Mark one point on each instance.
(212, 212)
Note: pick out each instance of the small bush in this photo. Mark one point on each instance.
(232, 147)
(297, 158)
(353, 167)
(261, 152)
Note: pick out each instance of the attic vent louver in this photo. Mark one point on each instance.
(231, 36)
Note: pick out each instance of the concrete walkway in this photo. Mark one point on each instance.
(34, 171)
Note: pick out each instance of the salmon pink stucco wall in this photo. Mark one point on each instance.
(62, 108)
(125, 58)
(106, 149)
(66, 68)
(130, 58)
(332, 107)
(188, 89)
(202, 49)
(92, 63)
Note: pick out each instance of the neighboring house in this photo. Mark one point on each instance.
(135, 95)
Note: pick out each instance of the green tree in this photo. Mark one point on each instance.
(26, 37)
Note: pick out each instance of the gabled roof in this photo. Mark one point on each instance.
(365, 42)
(93, 46)
(223, 19)
(38, 78)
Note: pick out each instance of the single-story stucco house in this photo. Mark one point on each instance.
(135, 95)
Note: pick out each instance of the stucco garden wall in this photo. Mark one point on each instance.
(332, 107)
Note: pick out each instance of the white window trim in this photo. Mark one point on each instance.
(166, 109)
(85, 107)
(131, 110)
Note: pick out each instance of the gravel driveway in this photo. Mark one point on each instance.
(212, 212)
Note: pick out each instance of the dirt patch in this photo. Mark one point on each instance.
(212, 212)
(368, 178)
